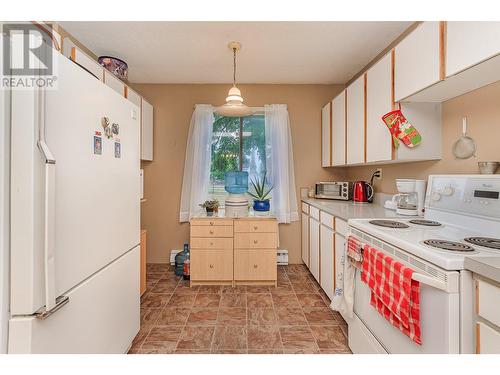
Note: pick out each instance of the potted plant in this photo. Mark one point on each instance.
(211, 206)
(261, 195)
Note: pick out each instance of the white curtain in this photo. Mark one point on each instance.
(279, 163)
(197, 163)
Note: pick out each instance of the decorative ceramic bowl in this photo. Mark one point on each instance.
(488, 167)
(116, 66)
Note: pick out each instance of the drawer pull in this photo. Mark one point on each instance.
(255, 241)
(211, 244)
(211, 266)
(211, 232)
(255, 227)
(255, 266)
(211, 223)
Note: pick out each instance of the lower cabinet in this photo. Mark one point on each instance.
(327, 262)
(305, 239)
(211, 265)
(314, 248)
(255, 265)
(339, 254)
(233, 251)
(323, 244)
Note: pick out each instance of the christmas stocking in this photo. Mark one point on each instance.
(401, 129)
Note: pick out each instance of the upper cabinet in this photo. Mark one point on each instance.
(418, 60)
(470, 43)
(339, 129)
(146, 131)
(326, 129)
(356, 121)
(379, 101)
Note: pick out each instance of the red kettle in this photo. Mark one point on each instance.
(362, 192)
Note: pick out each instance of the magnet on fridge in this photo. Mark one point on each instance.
(115, 129)
(118, 150)
(97, 145)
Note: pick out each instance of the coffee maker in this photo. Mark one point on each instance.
(410, 199)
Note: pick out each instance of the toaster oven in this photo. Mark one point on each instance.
(334, 190)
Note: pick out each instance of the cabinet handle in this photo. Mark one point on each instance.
(255, 266)
(255, 241)
(255, 227)
(211, 232)
(211, 266)
(211, 223)
(211, 244)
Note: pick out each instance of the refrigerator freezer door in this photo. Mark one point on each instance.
(97, 185)
(101, 317)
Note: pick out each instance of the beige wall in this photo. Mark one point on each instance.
(173, 107)
(482, 109)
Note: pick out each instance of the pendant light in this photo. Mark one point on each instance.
(234, 106)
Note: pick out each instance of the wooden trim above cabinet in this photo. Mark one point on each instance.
(331, 133)
(345, 126)
(442, 50)
(393, 98)
(365, 109)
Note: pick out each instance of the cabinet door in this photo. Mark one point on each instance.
(378, 103)
(255, 265)
(339, 263)
(146, 131)
(314, 247)
(469, 43)
(327, 261)
(487, 339)
(356, 121)
(305, 239)
(211, 265)
(338, 129)
(326, 124)
(417, 60)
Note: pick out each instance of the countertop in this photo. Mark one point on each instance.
(488, 267)
(350, 210)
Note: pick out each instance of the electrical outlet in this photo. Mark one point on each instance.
(379, 177)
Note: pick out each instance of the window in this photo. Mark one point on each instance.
(238, 144)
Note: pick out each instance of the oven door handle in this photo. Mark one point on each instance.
(421, 278)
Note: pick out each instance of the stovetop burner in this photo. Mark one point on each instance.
(389, 224)
(448, 245)
(429, 223)
(492, 243)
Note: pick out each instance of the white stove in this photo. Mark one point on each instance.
(462, 219)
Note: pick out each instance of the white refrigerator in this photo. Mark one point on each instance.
(74, 217)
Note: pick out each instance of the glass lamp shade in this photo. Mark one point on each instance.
(234, 106)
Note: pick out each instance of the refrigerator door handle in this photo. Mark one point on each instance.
(52, 304)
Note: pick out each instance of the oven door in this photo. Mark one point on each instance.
(439, 321)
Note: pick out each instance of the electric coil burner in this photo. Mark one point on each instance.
(389, 224)
(448, 245)
(492, 243)
(428, 223)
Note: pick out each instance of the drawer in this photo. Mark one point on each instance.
(326, 219)
(255, 226)
(212, 222)
(255, 241)
(305, 208)
(487, 297)
(255, 265)
(314, 212)
(487, 339)
(341, 227)
(211, 265)
(209, 231)
(211, 243)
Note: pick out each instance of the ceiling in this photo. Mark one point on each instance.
(272, 52)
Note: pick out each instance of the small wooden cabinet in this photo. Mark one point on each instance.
(143, 262)
(233, 251)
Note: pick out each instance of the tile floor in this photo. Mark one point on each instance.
(291, 318)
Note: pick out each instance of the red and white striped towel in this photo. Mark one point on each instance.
(393, 292)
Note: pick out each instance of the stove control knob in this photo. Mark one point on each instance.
(435, 196)
(447, 190)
